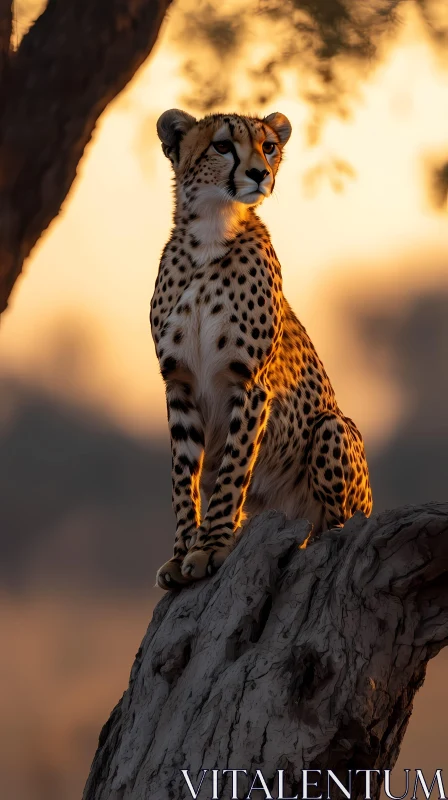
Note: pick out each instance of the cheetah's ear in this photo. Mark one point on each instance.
(171, 128)
(280, 124)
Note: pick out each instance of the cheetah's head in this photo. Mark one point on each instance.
(224, 158)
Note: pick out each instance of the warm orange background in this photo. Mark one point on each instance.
(85, 481)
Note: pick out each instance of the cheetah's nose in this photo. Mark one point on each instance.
(257, 175)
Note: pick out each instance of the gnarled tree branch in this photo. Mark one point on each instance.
(288, 658)
(75, 59)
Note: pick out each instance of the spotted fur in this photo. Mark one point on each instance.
(253, 419)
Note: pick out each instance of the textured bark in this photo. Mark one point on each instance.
(70, 65)
(288, 658)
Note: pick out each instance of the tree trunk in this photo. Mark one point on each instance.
(5, 35)
(295, 655)
(69, 66)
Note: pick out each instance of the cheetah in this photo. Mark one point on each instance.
(253, 419)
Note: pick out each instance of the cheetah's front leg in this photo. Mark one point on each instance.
(216, 536)
(187, 452)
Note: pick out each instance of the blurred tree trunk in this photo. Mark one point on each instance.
(289, 658)
(74, 60)
(5, 35)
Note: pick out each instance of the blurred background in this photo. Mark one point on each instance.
(362, 233)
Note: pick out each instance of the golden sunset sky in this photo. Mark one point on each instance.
(78, 319)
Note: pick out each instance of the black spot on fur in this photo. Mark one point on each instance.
(240, 369)
(168, 366)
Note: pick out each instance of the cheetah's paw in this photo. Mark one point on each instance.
(169, 576)
(201, 563)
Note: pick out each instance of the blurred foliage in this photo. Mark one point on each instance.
(241, 52)
(331, 43)
(438, 184)
(336, 171)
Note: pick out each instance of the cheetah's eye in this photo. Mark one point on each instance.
(268, 148)
(222, 147)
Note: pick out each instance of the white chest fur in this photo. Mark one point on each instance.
(194, 335)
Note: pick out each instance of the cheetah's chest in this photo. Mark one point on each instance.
(196, 334)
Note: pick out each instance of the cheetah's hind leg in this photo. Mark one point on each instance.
(338, 469)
